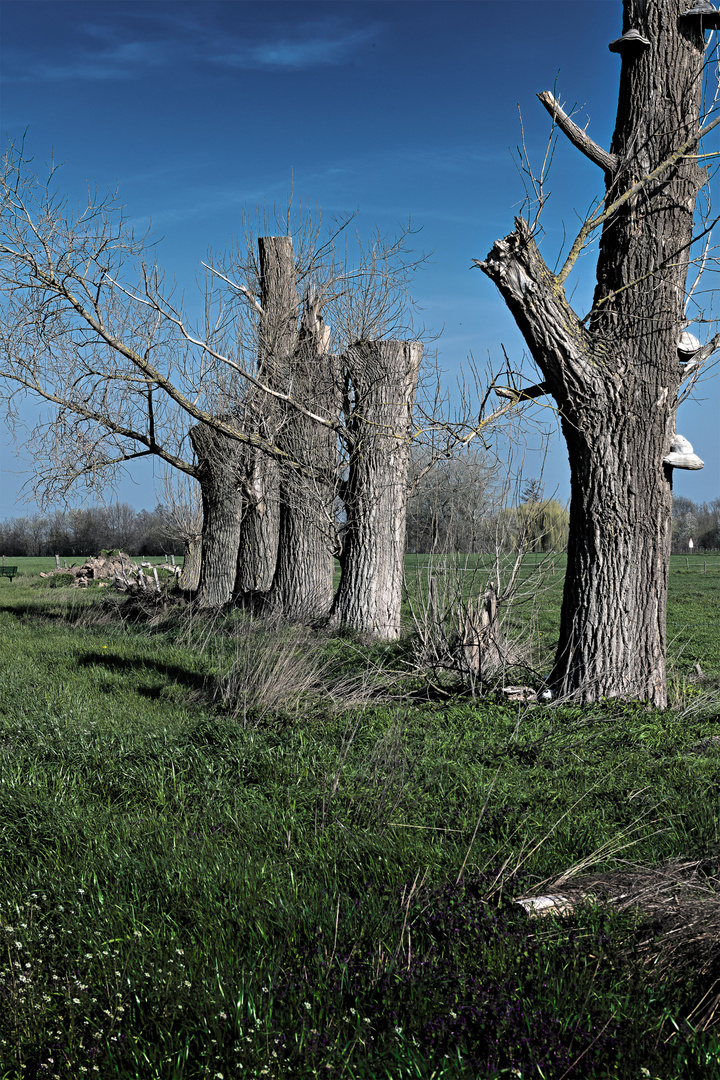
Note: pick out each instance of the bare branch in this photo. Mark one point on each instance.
(576, 135)
(539, 390)
(592, 223)
(242, 289)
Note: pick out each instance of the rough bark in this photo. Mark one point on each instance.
(258, 546)
(616, 382)
(303, 583)
(220, 461)
(382, 379)
(189, 579)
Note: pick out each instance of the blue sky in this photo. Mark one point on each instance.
(198, 109)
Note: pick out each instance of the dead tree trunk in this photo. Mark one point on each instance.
(287, 536)
(219, 465)
(382, 379)
(615, 378)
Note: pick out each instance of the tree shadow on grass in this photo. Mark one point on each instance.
(172, 674)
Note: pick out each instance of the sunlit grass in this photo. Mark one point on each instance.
(193, 884)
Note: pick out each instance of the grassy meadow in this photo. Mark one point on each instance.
(232, 848)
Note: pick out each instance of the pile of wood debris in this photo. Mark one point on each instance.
(114, 568)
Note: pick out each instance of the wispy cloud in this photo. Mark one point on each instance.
(125, 48)
(121, 60)
(306, 49)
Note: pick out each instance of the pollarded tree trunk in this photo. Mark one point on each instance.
(259, 535)
(303, 585)
(219, 463)
(382, 377)
(616, 382)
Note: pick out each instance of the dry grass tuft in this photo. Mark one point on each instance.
(678, 906)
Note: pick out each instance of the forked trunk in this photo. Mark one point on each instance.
(382, 379)
(616, 381)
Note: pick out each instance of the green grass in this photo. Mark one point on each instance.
(194, 884)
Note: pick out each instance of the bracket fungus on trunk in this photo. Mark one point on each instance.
(681, 455)
(631, 41)
(703, 12)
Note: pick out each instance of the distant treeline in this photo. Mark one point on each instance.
(455, 525)
(699, 522)
(88, 531)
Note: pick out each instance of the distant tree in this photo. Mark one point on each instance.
(180, 510)
(540, 525)
(697, 521)
(452, 503)
(533, 490)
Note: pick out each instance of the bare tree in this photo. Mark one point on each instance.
(616, 374)
(452, 503)
(90, 329)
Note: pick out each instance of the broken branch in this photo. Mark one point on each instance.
(576, 135)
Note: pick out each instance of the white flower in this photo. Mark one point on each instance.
(308, 1005)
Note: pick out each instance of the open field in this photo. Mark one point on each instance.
(231, 849)
(693, 602)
